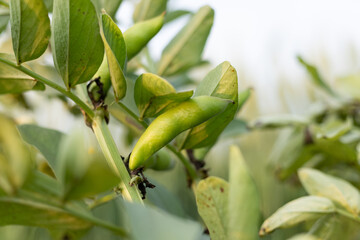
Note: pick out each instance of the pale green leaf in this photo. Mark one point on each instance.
(30, 29)
(16, 161)
(4, 20)
(281, 120)
(15, 81)
(296, 211)
(304, 236)
(162, 226)
(147, 9)
(244, 200)
(316, 78)
(185, 49)
(336, 189)
(243, 97)
(76, 42)
(220, 82)
(116, 54)
(45, 139)
(212, 200)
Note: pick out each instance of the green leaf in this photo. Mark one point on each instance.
(15, 81)
(244, 200)
(81, 166)
(4, 19)
(116, 54)
(26, 212)
(162, 226)
(49, 5)
(220, 82)
(235, 128)
(279, 121)
(76, 42)
(173, 15)
(185, 49)
(138, 36)
(349, 86)
(296, 211)
(45, 139)
(336, 189)
(334, 227)
(147, 9)
(160, 161)
(16, 160)
(317, 79)
(154, 95)
(332, 129)
(110, 6)
(243, 97)
(30, 29)
(212, 200)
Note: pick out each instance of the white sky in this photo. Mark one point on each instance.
(261, 38)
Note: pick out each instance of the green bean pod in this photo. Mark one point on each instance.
(168, 125)
(140, 34)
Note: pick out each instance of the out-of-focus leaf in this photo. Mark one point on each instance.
(349, 86)
(185, 49)
(76, 42)
(15, 81)
(235, 128)
(278, 121)
(220, 82)
(160, 161)
(4, 19)
(296, 211)
(336, 189)
(31, 213)
(162, 225)
(316, 78)
(304, 236)
(154, 95)
(243, 97)
(147, 9)
(244, 200)
(332, 129)
(334, 227)
(164, 199)
(212, 196)
(15, 157)
(81, 168)
(137, 36)
(116, 54)
(110, 6)
(45, 139)
(30, 29)
(173, 15)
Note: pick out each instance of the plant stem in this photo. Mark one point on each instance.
(53, 85)
(113, 158)
(348, 215)
(190, 169)
(100, 128)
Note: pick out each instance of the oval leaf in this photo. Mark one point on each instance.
(116, 54)
(296, 211)
(244, 200)
(76, 42)
(147, 9)
(185, 50)
(221, 82)
(30, 29)
(336, 189)
(212, 201)
(15, 81)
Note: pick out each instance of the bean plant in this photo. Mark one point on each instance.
(84, 184)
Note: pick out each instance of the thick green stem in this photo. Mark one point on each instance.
(113, 157)
(53, 85)
(189, 168)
